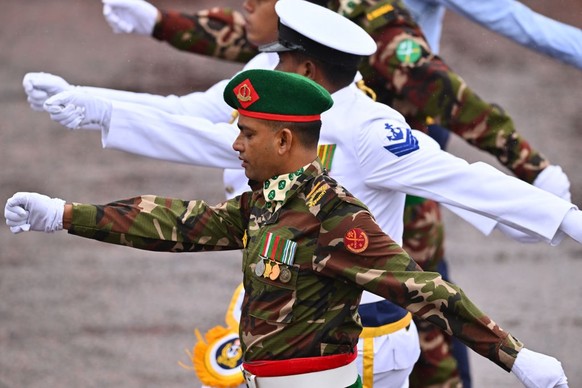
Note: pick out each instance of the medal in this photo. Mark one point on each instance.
(267, 269)
(280, 254)
(275, 272)
(260, 267)
(285, 275)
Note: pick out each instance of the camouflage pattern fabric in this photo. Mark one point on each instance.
(436, 366)
(340, 252)
(218, 32)
(423, 237)
(423, 240)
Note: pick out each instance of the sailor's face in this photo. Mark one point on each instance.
(260, 21)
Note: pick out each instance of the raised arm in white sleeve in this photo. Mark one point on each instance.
(509, 18)
(208, 104)
(156, 134)
(432, 173)
(189, 139)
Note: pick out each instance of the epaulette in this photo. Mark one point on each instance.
(325, 194)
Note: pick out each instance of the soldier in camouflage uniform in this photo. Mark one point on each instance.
(309, 248)
(405, 74)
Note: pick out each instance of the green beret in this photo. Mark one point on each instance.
(276, 95)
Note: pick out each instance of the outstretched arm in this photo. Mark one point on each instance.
(429, 172)
(147, 131)
(146, 222)
(209, 104)
(361, 253)
(521, 24)
(217, 32)
(408, 76)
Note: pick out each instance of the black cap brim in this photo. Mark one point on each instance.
(275, 47)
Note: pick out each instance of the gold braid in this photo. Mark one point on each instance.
(234, 116)
(367, 90)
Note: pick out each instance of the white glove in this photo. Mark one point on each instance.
(79, 110)
(553, 180)
(536, 370)
(40, 86)
(130, 16)
(33, 211)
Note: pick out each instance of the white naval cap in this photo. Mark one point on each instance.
(321, 33)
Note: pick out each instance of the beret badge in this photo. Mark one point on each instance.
(245, 93)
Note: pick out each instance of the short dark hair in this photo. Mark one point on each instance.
(339, 76)
(322, 3)
(307, 132)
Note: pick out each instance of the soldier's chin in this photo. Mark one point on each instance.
(250, 176)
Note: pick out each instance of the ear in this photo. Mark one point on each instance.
(284, 141)
(309, 69)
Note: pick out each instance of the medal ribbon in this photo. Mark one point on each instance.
(325, 153)
(278, 249)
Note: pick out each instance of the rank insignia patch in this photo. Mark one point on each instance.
(399, 141)
(356, 240)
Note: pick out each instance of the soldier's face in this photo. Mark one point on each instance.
(257, 144)
(261, 21)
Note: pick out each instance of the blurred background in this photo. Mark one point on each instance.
(77, 313)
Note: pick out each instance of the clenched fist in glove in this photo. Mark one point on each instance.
(33, 211)
(536, 370)
(79, 110)
(130, 16)
(40, 86)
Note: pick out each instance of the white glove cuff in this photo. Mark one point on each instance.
(57, 221)
(519, 369)
(572, 224)
(553, 180)
(546, 174)
(537, 370)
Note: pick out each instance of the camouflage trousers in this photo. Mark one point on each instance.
(423, 240)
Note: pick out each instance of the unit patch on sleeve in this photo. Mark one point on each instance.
(356, 240)
(399, 141)
(408, 51)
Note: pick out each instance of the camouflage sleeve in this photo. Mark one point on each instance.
(218, 33)
(408, 76)
(354, 248)
(164, 224)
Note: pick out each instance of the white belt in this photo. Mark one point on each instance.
(344, 376)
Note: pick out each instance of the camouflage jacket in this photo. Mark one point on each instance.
(331, 250)
(404, 73)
